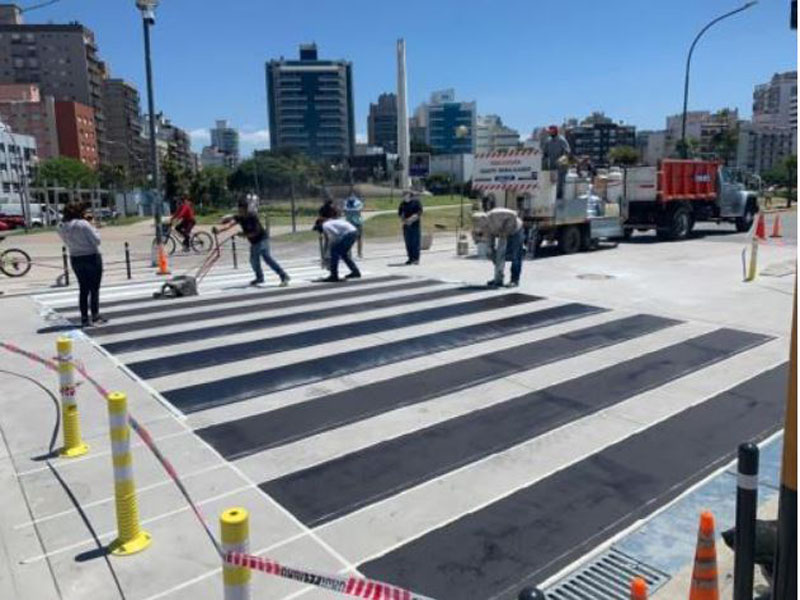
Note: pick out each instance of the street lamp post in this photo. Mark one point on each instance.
(148, 8)
(684, 150)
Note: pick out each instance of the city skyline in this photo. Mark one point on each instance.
(530, 77)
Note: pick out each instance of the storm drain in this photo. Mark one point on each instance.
(607, 577)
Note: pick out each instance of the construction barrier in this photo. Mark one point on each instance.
(130, 537)
(705, 583)
(131, 540)
(638, 589)
(234, 527)
(73, 445)
(356, 587)
(745, 536)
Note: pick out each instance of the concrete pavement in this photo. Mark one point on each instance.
(333, 428)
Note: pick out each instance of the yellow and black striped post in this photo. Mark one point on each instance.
(234, 526)
(784, 580)
(73, 445)
(130, 538)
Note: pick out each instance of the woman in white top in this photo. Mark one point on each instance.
(83, 242)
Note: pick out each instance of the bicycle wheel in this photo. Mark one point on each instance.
(169, 244)
(15, 262)
(202, 242)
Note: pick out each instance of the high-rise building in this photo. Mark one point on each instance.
(77, 137)
(775, 102)
(492, 135)
(310, 105)
(126, 148)
(763, 147)
(226, 140)
(597, 135)
(25, 110)
(651, 146)
(382, 123)
(718, 136)
(173, 143)
(450, 126)
(17, 159)
(61, 59)
(212, 157)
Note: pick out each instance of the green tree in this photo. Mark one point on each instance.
(66, 172)
(113, 177)
(176, 181)
(623, 155)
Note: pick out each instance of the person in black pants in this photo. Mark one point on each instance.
(410, 213)
(83, 242)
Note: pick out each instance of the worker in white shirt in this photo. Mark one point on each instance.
(502, 229)
(341, 235)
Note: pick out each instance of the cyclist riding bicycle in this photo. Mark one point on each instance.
(185, 216)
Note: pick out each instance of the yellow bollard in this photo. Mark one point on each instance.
(234, 526)
(130, 538)
(73, 445)
(751, 271)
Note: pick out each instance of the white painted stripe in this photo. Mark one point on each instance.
(329, 445)
(412, 513)
(118, 448)
(243, 367)
(123, 473)
(117, 420)
(300, 394)
(747, 482)
(323, 302)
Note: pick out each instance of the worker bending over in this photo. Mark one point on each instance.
(502, 229)
(340, 236)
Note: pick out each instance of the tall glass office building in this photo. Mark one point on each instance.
(310, 104)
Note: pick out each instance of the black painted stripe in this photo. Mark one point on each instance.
(172, 304)
(190, 361)
(248, 325)
(366, 476)
(242, 437)
(238, 310)
(533, 533)
(235, 389)
(211, 301)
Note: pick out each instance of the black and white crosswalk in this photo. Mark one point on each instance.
(459, 441)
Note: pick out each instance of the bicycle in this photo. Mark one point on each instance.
(14, 262)
(200, 241)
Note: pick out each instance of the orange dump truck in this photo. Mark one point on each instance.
(676, 194)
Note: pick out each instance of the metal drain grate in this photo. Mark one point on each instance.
(607, 577)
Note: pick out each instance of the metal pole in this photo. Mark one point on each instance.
(128, 259)
(233, 251)
(784, 580)
(155, 183)
(745, 541)
(403, 146)
(684, 152)
(66, 265)
(291, 188)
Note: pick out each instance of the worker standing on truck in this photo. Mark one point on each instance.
(555, 150)
(502, 229)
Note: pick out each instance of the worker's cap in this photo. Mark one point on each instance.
(553, 129)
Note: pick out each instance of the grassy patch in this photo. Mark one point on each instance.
(441, 220)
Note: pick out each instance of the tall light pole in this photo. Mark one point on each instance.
(684, 150)
(148, 10)
(403, 146)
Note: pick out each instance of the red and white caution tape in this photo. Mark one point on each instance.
(356, 587)
(143, 434)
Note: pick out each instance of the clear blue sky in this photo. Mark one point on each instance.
(530, 61)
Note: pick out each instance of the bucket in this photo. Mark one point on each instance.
(427, 241)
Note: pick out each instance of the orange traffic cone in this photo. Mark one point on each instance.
(761, 227)
(776, 226)
(638, 589)
(705, 584)
(163, 267)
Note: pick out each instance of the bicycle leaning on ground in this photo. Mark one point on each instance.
(200, 241)
(14, 262)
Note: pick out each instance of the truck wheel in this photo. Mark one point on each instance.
(678, 227)
(569, 240)
(745, 222)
